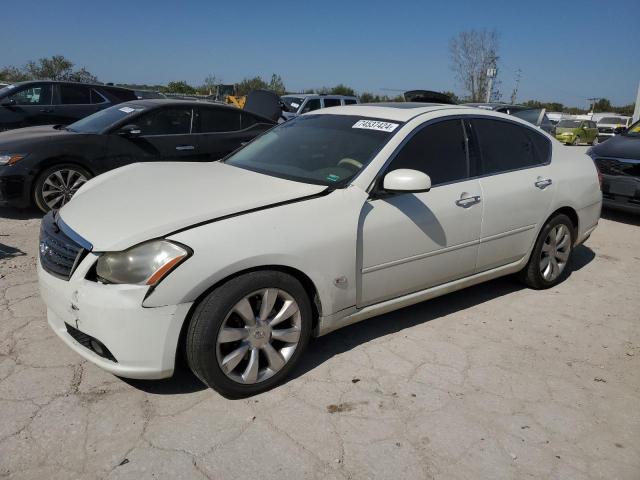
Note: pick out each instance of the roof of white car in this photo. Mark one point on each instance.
(400, 111)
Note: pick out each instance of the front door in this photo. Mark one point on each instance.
(410, 242)
(166, 133)
(517, 189)
(30, 105)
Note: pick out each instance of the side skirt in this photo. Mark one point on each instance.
(353, 315)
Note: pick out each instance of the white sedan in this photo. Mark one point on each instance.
(326, 220)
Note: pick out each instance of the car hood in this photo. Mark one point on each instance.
(22, 138)
(141, 201)
(620, 146)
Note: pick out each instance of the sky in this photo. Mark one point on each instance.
(568, 51)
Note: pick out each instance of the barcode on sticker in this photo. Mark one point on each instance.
(375, 125)
(127, 109)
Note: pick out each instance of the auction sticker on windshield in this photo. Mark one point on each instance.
(375, 125)
(127, 109)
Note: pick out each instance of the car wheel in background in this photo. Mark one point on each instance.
(57, 184)
(576, 141)
(595, 141)
(550, 254)
(246, 335)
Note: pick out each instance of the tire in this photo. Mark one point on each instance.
(232, 356)
(595, 141)
(576, 141)
(534, 275)
(57, 184)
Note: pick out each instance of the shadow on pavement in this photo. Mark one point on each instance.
(20, 213)
(7, 251)
(323, 348)
(621, 216)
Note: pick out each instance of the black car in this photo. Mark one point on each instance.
(26, 104)
(46, 165)
(618, 160)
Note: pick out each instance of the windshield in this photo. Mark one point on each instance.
(320, 149)
(6, 89)
(292, 103)
(100, 121)
(569, 123)
(612, 121)
(634, 130)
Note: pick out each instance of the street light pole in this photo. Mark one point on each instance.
(636, 110)
(491, 73)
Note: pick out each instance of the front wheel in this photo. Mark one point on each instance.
(247, 335)
(56, 185)
(550, 254)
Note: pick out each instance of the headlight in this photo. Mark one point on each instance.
(144, 264)
(11, 158)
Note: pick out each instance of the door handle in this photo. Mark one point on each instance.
(46, 110)
(465, 202)
(185, 147)
(543, 183)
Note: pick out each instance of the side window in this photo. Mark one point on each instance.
(437, 150)
(96, 97)
(33, 95)
(74, 95)
(331, 102)
(219, 119)
(505, 146)
(349, 101)
(312, 104)
(166, 121)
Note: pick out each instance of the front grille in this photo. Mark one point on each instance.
(619, 167)
(605, 129)
(59, 254)
(87, 341)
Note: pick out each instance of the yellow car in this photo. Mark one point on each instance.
(574, 132)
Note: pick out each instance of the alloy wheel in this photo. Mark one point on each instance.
(555, 252)
(258, 336)
(60, 186)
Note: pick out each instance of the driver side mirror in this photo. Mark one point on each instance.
(407, 181)
(130, 131)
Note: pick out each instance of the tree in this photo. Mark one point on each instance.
(452, 96)
(210, 85)
(602, 105)
(55, 68)
(342, 89)
(249, 84)
(277, 85)
(180, 87)
(472, 53)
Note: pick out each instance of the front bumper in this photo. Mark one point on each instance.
(143, 341)
(15, 186)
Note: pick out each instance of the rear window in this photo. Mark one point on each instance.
(219, 120)
(505, 146)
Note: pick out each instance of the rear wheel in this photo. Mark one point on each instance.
(247, 335)
(550, 254)
(56, 185)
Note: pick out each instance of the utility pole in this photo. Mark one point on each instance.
(593, 104)
(636, 110)
(491, 73)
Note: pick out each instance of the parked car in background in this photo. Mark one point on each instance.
(46, 165)
(148, 94)
(607, 126)
(575, 132)
(326, 220)
(297, 104)
(618, 160)
(535, 116)
(26, 104)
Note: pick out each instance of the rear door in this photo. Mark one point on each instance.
(517, 188)
(72, 102)
(30, 105)
(413, 241)
(222, 130)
